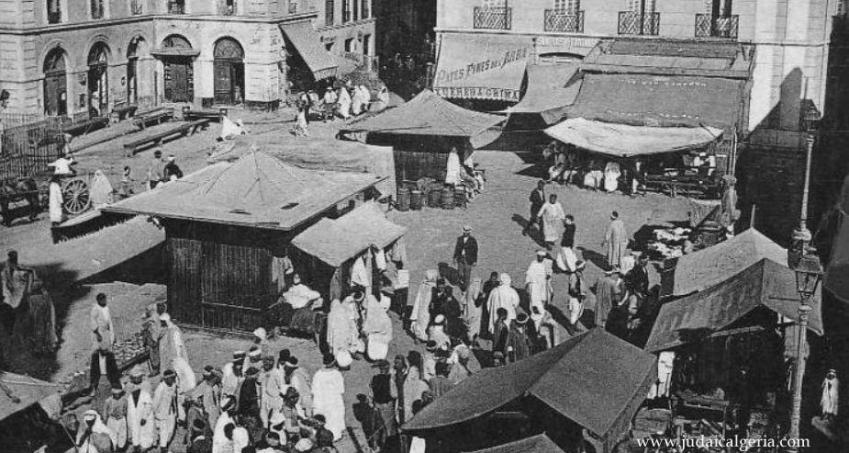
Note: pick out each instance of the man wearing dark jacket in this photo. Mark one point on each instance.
(466, 256)
(537, 199)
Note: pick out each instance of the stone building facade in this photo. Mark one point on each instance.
(89, 57)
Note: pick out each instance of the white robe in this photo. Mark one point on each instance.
(342, 334)
(141, 435)
(552, 216)
(378, 329)
(220, 443)
(830, 396)
(328, 388)
(56, 201)
(344, 103)
(611, 176)
(503, 296)
(420, 316)
(452, 171)
(101, 320)
(360, 274)
(537, 280)
(229, 381)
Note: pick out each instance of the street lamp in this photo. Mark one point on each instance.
(809, 273)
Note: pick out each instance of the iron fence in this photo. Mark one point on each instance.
(639, 23)
(564, 21)
(709, 26)
(500, 18)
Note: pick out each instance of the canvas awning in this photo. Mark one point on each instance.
(718, 263)
(258, 191)
(481, 66)
(837, 271)
(659, 101)
(306, 41)
(426, 114)
(550, 89)
(534, 444)
(765, 283)
(622, 140)
(28, 391)
(594, 379)
(335, 241)
(175, 52)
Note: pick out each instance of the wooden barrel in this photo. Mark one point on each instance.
(433, 197)
(448, 198)
(416, 200)
(403, 199)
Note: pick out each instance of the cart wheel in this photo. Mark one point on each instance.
(76, 196)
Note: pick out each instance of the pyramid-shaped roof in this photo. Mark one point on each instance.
(257, 190)
(426, 114)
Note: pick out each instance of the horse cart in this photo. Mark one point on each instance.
(25, 154)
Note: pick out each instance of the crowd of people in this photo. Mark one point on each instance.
(346, 102)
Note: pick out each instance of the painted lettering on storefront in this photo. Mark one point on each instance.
(478, 67)
(501, 94)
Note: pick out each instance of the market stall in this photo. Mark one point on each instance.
(433, 153)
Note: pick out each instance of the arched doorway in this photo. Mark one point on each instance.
(98, 80)
(179, 75)
(229, 70)
(55, 83)
(132, 81)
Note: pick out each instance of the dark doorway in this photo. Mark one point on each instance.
(98, 80)
(132, 71)
(55, 84)
(229, 71)
(178, 72)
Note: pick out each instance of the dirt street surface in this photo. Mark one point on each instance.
(497, 217)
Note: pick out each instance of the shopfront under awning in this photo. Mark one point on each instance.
(337, 241)
(488, 67)
(307, 43)
(621, 140)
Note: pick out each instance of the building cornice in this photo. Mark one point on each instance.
(56, 28)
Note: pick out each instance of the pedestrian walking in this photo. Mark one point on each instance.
(551, 217)
(615, 240)
(537, 199)
(466, 256)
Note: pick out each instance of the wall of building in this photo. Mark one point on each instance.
(334, 34)
(790, 37)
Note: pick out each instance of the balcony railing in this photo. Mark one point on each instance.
(639, 23)
(708, 26)
(500, 18)
(564, 21)
(54, 17)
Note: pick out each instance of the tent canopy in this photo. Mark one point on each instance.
(765, 283)
(482, 66)
(306, 41)
(713, 265)
(257, 190)
(651, 100)
(593, 379)
(621, 140)
(534, 444)
(336, 241)
(550, 89)
(28, 390)
(316, 154)
(426, 114)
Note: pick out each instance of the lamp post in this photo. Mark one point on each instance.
(809, 272)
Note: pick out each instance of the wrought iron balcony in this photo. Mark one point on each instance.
(564, 21)
(500, 18)
(639, 23)
(708, 26)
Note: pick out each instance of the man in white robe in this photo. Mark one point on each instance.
(92, 435)
(232, 375)
(377, 327)
(140, 411)
(615, 241)
(611, 176)
(504, 296)
(551, 217)
(271, 382)
(165, 408)
(328, 389)
(420, 315)
(343, 103)
(342, 333)
(452, 171)
(830, 393)
(102, 329)
(538, 281)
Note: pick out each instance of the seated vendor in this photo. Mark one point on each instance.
(299, 302)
